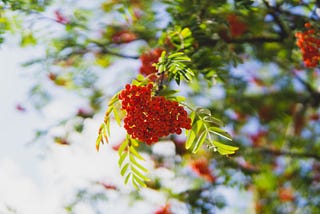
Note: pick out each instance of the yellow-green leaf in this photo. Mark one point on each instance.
(225, 149)
(135, 153)
(220, 132)
(136, 172)
(122, 158)
(122, 147)
(116, 116)
(203, 112)
(199, 142)
(124, 169)
(196, 127)
(127, 178)
(190, 138)
(137, 164)
(98, 142)
(138, 180)
(185, 33)
(212, 120)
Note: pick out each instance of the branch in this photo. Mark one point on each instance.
(289, 153)
(257, 39)
(314, 95)
(273, 12)
(106, 50)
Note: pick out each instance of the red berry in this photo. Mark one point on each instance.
(237, 27)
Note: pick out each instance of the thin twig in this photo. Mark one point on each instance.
(289, 153)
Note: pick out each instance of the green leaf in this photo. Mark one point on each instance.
(212, 120)
(199, 142)
(116, 116)
(196, 127)
(127, 178)
(225, 149)
(137, 164)
(101, 136)
(124, 169)
(114, 99)
(192, 116)
(123, 146)
(136, 172)
(190, 139)
(122, 158)
(107, 126)
(174, 55)
(220, 132)
(186, 33)
(139, 181)
(135, 153)
(27, 39)
(135, 184)
(98, 142)
(203, 112)
(177, 79)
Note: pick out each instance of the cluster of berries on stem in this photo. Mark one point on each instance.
(150, 117)
(147, 60)
(309, 44)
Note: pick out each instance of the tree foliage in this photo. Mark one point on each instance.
(231, 61)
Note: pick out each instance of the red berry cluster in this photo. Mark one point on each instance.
(309, 44)
(123, 36)
(237, 27)
(150, 117)
(148, 59)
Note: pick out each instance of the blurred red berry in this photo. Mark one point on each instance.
(123, 36)
(285, 194)
(60, 18)
(20, 108)
(108, 186)
(259, 138)
(61, 141)
(163, 210)
(237, 27)
(201, 167)
(309, 44)
(52, 76)
(315, 117)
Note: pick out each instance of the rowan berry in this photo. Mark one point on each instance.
(123, 36)
(309, 44)
(148, 117)
(147, 60)
(237, 27)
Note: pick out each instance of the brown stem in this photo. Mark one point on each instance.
(160, 83)
(289, 153)
(257, 39)
(273, 11)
